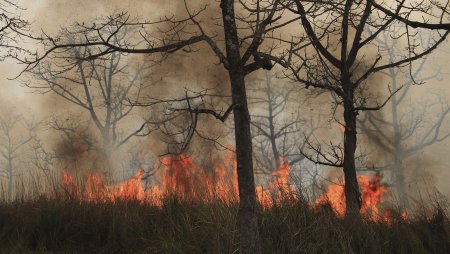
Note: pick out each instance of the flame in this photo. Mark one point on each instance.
(71, 188)
(372, 193)
(132, 189)
(180, 176)
(278, 188)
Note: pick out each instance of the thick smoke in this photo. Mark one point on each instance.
(196, 70)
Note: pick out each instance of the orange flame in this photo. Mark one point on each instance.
(183, 178)
(278, 189)
(372, 193)
(180, 176)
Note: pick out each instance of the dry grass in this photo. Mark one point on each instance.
(67, 225)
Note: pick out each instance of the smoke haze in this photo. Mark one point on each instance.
(197, 72)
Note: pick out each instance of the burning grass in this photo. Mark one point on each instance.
(181, 226)
(192, 210)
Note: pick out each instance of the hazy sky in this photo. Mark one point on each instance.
(50, 15)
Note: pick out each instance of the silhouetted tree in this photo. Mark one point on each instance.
(12, 29)
(433, 14)
(336, 51)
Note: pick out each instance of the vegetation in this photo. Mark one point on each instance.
(66, 225)
(115, 67)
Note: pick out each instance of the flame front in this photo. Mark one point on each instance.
(372, 193)
(182, 177)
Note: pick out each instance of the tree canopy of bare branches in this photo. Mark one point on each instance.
(13, 28)
(103, 87)
(276, 123)
(15, 134)
(336, 51)
(406, 128)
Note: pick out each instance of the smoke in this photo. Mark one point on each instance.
(197, 70)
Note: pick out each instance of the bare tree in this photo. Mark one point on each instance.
(240, 54)
(102, 87)
(15, 134)
(405, 129)
(12, 29)
(337, 53)
(276, 123)
(433, 14)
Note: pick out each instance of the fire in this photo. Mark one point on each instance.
(132, 189)
(180, 176)
(278, 188)
(71, 188)
(372, 193)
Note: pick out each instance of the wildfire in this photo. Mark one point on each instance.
(278, 188)
(182, 177)
(372, 193)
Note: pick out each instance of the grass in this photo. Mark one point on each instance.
(69, 226)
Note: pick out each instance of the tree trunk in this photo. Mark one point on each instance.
(400, 184)
(107, 149)
(276, 153)
(248, 223)
(273, 139)
(10, 179)
(351, 188)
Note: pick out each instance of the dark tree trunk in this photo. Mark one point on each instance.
(351, 188)
(248, 223)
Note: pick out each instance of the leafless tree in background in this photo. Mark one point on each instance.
(15, 134)
(102, 87)
(276, 122)
(406, 129)
(337, 53)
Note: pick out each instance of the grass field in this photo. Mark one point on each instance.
(67, 225)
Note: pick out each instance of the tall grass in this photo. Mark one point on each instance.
(46, 218)
(66, 225)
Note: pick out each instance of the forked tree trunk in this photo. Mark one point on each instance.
(351, 188)
(248, 223)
